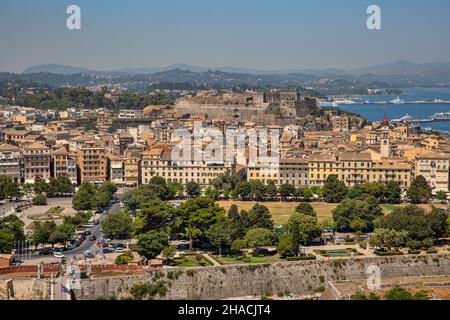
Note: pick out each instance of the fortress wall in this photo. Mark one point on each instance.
(299, 278)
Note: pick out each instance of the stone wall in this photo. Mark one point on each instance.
(300, 278)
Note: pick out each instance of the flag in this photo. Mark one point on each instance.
(64, 289)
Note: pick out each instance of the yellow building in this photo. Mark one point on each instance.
(157, 162)
(434, 168)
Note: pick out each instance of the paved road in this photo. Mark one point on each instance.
(86, 245)
(95, 231)
(4, 208)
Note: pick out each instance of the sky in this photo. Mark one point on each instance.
(261, 34)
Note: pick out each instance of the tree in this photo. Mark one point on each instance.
(387, 239)
(287, 190)
(11, 231)
(237, 223)
(419, 224)
(284, 246)
(62, 234)
(238, 245)
(419, 191)
(219, 234)
(306, 208)
(212, 193)
(260, 217)
(271, 189)
(60, 186)
(42, 232)
(399, 293)
(40, 186)
(303, 228)
(83, 199)
(8, 188)
(258, 189)
(155, 215)
(356, 214)
(334, 190)
(197, 215)
(243, 190)
(193, 189)
(392, 192)
(124, 258)
(40, 200)
(151, 244)
(441, 195)
(175, 189)
(258, 237)
(117, 225)
(168, 253)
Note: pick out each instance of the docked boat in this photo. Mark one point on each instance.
(397, 101)
(328, 104)
(441, 116)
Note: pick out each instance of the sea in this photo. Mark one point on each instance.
(376, 112)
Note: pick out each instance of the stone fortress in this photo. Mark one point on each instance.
(262, 108)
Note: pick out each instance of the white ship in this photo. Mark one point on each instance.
(328, 104)
(441, 116)
(344, 101)
(397, 101)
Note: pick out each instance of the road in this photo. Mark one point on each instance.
(86, 245)
(4, 208)
(95, 231)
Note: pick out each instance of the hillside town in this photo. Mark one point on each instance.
(129, 147)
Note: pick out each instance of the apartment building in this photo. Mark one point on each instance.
(157, 162)
(434, 167)
(341, 124)
(36, 162)
(131, 114)
(115, 169)
(65, 165)
(350, 167)
(91, 161)
(132, 171)
(10, 162)
(288, 171)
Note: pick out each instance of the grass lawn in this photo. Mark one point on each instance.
(281, 211)
(190, 261)
(388, 208)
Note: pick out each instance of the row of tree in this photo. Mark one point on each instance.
(333, 191)
(91, 197)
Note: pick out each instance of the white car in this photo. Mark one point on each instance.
(58, 255)
(121, 249)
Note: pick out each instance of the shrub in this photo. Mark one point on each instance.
(124, 258)
(40, 200)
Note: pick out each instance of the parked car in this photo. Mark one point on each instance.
(59, 255)
(121, 249)
(46, 252)
(88, 254)
(96, 222)
(92, 238)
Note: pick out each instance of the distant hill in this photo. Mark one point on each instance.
(56, 68)
(403, 67)
(400, 67)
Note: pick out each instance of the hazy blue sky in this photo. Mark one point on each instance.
(260, 34)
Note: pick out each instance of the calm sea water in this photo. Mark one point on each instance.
(375, 112)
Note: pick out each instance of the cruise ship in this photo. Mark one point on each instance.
(328, 104)
(397, 101)
(441, 116)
